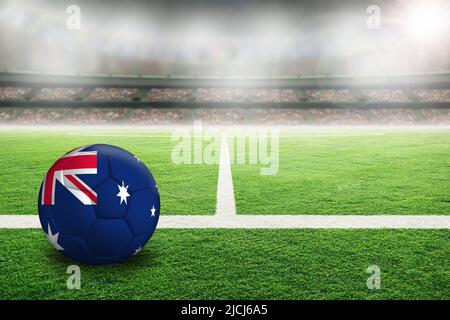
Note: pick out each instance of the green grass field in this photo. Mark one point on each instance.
(26, 157)
(319, 173)
(239, 264)
(351, 173)
(394, 172)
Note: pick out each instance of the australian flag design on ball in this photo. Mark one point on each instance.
(99, 204)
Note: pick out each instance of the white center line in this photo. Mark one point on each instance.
(225, 205)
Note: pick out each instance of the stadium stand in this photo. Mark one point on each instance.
(38, 100)
(151, 116)
(157, 116)
(13, 93)
(229, 95)
(56, 94)
(168, 94)
(331, 96)
(432, 95)
(386, 96)
(112, 94)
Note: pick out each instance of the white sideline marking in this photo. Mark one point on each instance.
(225, 205)
(19, 221)
(305, 221)
(269, 222)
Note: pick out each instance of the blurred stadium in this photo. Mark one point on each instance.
(46, 99)
(360, 94)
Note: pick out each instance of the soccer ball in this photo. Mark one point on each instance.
(99, 204)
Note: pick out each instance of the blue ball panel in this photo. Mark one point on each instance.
(139, 215)
(108, 205)
(75, 248)
(70, 214)
(135, 174)
(108, 237)
(136, 245)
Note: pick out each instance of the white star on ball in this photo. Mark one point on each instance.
(53, 238)
(123, 193)
(153, 210)
(137, 250)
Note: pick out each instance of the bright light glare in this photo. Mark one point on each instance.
(427, 20)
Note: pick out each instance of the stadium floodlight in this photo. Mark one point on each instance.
(427, 19)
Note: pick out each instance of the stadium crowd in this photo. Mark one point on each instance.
(13, 93)
(168, 94)
(56, 94)
(112, 94)
(380, 95)
(222, 116)
(330, 96)
(206, 97)
(238, 95)
(430, 95)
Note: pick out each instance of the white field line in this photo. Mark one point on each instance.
(305, 221)
(269, 222)
(225, 205)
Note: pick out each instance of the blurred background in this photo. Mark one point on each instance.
(226, 38)
(348, 62)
